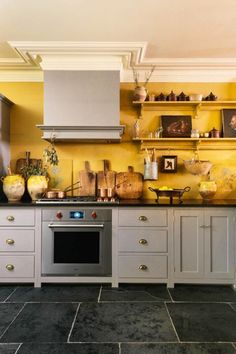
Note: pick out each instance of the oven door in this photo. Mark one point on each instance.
(76, 249)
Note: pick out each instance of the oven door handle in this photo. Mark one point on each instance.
(101, 226)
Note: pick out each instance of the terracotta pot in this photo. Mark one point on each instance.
(140, 93)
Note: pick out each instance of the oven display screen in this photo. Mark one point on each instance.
(76, 214)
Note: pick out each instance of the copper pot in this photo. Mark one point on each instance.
(110, 192)
(52, 194)
(102, 192)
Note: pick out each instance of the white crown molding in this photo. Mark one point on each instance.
(33, 57)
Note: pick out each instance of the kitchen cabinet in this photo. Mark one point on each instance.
(193, 107)
(143, 245)
(17, 245)
(203, 242)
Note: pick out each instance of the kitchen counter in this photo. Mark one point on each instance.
(132, 203)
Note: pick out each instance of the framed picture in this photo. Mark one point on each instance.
(176, 126)
(169, 164)
(229, 123)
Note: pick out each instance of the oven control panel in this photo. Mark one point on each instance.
(83, 214)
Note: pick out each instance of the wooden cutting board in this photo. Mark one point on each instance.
(87, 180)
(106, 178)
(129, 185)
(20, 163)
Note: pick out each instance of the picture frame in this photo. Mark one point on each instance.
(168, 164)
(176, 126)
(229, 123)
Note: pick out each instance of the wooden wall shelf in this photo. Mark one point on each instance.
(187, 143)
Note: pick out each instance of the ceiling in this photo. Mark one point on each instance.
(191, 36)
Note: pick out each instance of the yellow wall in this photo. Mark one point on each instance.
(28, 111)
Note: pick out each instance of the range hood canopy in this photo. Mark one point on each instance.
(82, 106)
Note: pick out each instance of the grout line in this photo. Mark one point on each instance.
(73, 323)
(119, 345)
(100, 293)
(170, 295)
(12, 320)
(234, 345)
(11, 294)
(18, 348)
(172, 322)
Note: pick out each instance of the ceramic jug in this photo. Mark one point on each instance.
(207, 189)
(37, 186)
(13, 187)
(140, 93)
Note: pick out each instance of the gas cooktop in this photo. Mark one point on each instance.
(77, 200)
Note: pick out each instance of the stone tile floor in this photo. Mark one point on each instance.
(133, 319)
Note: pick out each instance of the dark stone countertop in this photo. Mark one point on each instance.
(132, 203)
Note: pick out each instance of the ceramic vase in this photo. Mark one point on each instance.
(207, 190)
(37, 186)
(140, 93)
(13, 187)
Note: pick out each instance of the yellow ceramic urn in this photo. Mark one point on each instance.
(207, 189)
(13, 187)
(37, 186)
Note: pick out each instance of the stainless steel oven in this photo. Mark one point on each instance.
(76, 241)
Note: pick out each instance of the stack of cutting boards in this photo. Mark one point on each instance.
(127, 185)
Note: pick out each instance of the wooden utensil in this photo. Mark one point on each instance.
(106, 178)
(23, 162)
(87, 180)
(129, 185)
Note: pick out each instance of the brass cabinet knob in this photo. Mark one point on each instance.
(9, 241)
(142, 218)
(142, 241)
(142, 267)
(10, 218)
(10, 267)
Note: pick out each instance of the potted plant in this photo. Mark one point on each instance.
(37, 176)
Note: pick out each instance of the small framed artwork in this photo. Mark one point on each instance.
(229, 123)
(176, 126)
(169, 164)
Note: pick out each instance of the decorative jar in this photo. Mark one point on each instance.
(140, 93)
(207, 190)
(37, 186)
(13, 187)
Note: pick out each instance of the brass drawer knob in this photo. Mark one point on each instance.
(9, 241)
(10, 218)
(142, 267)
(142, 241)
(142, 218)
(10, 267)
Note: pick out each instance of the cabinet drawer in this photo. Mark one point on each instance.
(14, 240)
(141, 266)
(142, 240)
(143, 217)
(16, 266)
(17, 217)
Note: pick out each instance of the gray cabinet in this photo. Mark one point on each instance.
(204, 245)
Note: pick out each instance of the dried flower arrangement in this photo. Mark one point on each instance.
(147, 76)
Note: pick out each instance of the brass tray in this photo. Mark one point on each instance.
(170, 193)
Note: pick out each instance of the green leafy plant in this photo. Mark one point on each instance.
(34, 170)
(50, 155)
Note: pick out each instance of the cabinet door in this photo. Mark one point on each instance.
(219, 243)
(188, 244)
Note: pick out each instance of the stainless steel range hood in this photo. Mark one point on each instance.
(82, 106)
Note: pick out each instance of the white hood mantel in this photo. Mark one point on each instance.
(82, 106)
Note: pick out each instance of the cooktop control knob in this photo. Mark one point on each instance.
(59, 215)
(94, 215)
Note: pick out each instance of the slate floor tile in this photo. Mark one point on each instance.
(69, 348)
(208, 293)
(233, 306)
(41, 323)
(178, 348)
(5, 291)
(198, 322)
(8, 348)
(136, 292)
(56, 293)
(7, 314)
(122, 322)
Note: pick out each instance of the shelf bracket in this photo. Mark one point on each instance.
(196, 111)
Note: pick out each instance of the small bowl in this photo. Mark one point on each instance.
(195, 97)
